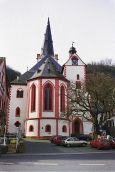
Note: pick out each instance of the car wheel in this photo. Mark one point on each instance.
(84, 144)
(68, 145)
(98, 147)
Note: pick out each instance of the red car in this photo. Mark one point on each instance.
(101, 143)
(112, 142)
(59, 139)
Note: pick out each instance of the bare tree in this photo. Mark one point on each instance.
(95, 100)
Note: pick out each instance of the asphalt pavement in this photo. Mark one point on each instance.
(42, 156)
(45, 147)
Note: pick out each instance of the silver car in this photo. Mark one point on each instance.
(73, 141)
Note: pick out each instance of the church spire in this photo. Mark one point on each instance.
(48, 43)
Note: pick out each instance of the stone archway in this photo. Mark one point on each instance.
(77, 126)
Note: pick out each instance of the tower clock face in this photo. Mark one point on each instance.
(74, 60)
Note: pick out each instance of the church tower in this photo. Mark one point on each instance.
(76, 66)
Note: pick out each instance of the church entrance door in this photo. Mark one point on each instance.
(77, 127)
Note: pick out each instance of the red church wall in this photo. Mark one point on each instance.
(40, 99)
(57, 103)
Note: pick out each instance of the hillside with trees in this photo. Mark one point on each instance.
(105, 68)
(12, 74)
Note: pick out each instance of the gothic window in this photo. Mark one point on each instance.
(77, 76)
(62, 99)
(64, 129)
(48, 128)
(19, 93)
(33, 98)
(17, 112)
(31, 128)
(48, 97)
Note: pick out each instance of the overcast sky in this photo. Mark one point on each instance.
(88, 23)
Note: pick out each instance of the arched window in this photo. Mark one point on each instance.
(77, 76)
(19, 93)
(48, 97)
(17, 112)
(33, 98)
(48, 128)
(62, 99)
(64, 129)
(31, 128)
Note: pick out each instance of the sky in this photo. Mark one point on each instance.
(90, 24)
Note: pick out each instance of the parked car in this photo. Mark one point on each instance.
(58, 139)
(100, 143)
(112, 142)
(52, 138)
(73, 141)
(85, 137)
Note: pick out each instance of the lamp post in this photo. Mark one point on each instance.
(17, 124)
(5, 135)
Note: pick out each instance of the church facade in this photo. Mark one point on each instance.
(38, 98)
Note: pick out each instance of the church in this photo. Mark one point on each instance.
(38, 97)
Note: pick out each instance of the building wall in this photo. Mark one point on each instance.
(40, 127)
(87, 127)
(43, 123)
(62, 123)
(14, 103)
(44, 118)
(34, 123)
(4, 95)
(75, 70)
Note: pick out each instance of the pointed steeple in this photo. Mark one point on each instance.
(48, 43)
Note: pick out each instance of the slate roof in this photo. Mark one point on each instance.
(47, 67)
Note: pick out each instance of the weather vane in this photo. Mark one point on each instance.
(72, 43)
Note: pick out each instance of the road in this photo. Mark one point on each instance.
(51, 158)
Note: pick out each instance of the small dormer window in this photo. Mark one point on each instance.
(74, 60)
(19, 93)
